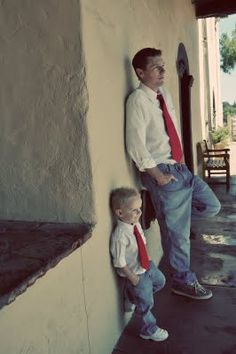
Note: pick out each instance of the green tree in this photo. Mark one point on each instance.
(229, 110)
(228, 51)
(220, 134)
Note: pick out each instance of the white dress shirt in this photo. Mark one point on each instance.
(146, 139)
(124, 248)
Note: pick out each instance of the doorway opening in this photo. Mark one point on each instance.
(185, 84)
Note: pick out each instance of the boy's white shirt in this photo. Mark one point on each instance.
(124, 248)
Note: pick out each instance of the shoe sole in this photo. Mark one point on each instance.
(205, 297)
(155, 340)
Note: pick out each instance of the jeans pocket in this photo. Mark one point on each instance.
(171, 185)
(163, 167)
(166, 170)
(141, 278)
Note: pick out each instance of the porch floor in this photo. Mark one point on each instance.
(198, 326)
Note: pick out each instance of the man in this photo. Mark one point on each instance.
(153, 143)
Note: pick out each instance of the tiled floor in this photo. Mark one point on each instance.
(206, 327)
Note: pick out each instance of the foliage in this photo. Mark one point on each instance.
(219, 134)
(228, 51)
(229, 110)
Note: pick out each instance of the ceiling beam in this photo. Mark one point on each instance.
(214, 8)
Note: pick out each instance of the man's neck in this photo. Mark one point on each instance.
(155, 89)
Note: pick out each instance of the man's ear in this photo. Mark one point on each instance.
(118, 213)
(139, 73)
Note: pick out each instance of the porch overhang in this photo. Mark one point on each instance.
(214, 8)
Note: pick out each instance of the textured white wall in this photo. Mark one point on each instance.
(209, 58)
(50, 317)
(113, 31)
(44, 163)
(82, 289)
(213, 53)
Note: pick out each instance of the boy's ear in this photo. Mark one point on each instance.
(118, 213)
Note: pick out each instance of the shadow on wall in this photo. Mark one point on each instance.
(129, 87)
(129, 76)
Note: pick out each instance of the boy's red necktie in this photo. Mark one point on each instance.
(144, 259)
(176, 149)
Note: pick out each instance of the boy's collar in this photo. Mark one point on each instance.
(125, 224)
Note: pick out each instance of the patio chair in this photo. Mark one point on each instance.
(214, 162)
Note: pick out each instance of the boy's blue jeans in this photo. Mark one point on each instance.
(141, 295)
(176, 203)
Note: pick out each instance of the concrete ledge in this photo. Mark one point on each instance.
(29, 249)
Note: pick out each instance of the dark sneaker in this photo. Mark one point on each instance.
(194, 291)
(158, 336)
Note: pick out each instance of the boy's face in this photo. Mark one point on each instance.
(130, 212)
(153, 74)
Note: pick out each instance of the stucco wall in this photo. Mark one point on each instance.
(84, 285)
(210, 78)
(44, 164)
(51, 316)
(112, 33)
(213, 56)
(209, 60)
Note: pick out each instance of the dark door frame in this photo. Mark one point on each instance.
(185, 84)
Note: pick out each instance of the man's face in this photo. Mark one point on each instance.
(153, 75)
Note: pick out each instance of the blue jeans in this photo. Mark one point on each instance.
(141, 295)
(176, 203)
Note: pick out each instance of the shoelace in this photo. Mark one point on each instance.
(160, 330)
(198, 287)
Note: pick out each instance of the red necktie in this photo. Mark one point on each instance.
(176, 149)
(143, 256)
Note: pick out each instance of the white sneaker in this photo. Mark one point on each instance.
(128, 306)
(158, 336)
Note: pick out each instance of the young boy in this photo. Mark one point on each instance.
(132, 262)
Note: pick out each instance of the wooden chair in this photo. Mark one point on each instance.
(214, 162)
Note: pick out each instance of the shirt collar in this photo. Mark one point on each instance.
(149, 92)
(129, 227)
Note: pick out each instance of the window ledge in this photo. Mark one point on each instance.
(29, 249)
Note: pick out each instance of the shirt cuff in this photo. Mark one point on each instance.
(119, 264)
(146, 163)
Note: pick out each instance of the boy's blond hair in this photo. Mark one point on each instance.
(120, 196)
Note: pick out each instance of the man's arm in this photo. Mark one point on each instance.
(159, 176)
(136, 135)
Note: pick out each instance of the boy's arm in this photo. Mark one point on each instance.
(133, 278)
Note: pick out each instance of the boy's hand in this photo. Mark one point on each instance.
(133, 278)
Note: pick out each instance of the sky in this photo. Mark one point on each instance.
(228, 81)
